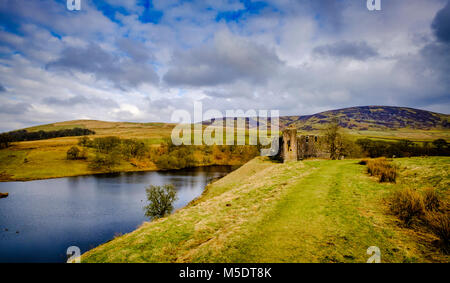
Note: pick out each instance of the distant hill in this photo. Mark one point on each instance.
(373, 118)
(379, 120)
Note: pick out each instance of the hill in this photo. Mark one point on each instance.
(372, 118)
(29, 160)
(364, 118)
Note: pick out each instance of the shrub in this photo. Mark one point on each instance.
(439, 223)
(105, 161)
(363, 162)
(388, 174)
(132, 148)
(84, 141)
(407, 204)
(83, 154)
(431, 200)
(161, 200)
(383, 169)
(106, 144)
(73, 153)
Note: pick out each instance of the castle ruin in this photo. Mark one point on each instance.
(294, 148)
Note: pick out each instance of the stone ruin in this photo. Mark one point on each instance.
(294, 147)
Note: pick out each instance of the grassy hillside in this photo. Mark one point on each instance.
(312, 211)
(47, 158)
(373, 118)
(377, 122)
(42, 159)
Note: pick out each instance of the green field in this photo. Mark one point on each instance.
(43, 159)
(311, 211)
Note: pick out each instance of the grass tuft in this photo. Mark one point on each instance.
(431, 200)
(439, 224)
(383, 169)
(408, 205)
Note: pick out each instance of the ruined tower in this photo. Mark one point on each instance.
(290, 144)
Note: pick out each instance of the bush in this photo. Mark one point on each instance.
(161, 200)
(84, 141)
(388, 174)
(403, 148)
(407, 204)
(73, 153)
(439, 224)
(431, 200)
(105, 161)
(383, 169)
(132, 148)
(106, 144)
(410, 205)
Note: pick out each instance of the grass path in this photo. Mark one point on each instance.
(317, 220)
(313, 211)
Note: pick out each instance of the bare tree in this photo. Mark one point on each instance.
(333, 138)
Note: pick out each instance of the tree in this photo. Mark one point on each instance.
(107, 161)
(160, 200)
(73, 153)
(332, 138)
(132, 148)
(440, 144)
(5, 139)
(84, 141)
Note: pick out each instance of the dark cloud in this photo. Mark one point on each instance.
(14, 108)
(2, 88)
(93, 59)
(441, 24)
(433, 60)
(79, 99)
(328, 13)
(343, 49)
(225, 61)
(134, 49)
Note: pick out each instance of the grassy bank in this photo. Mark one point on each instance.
(312, 211)
(43, 159)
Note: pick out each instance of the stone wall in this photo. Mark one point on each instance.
(294, 147)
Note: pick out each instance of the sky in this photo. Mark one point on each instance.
(140, 60)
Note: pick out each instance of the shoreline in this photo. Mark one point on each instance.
(2, 180)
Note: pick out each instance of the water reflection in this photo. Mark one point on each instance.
(40, 219)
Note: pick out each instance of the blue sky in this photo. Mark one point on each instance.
(139, 60)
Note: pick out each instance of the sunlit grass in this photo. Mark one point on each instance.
(312, 211)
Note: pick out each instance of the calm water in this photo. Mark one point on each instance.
(41, 219)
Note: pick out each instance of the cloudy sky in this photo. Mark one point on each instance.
(139, 60)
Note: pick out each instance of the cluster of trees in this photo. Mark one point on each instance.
(109, 151)
(4, 140)
(74, 153)
(169, 156)
(24, 135)
(403, 148)
(338, 144)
